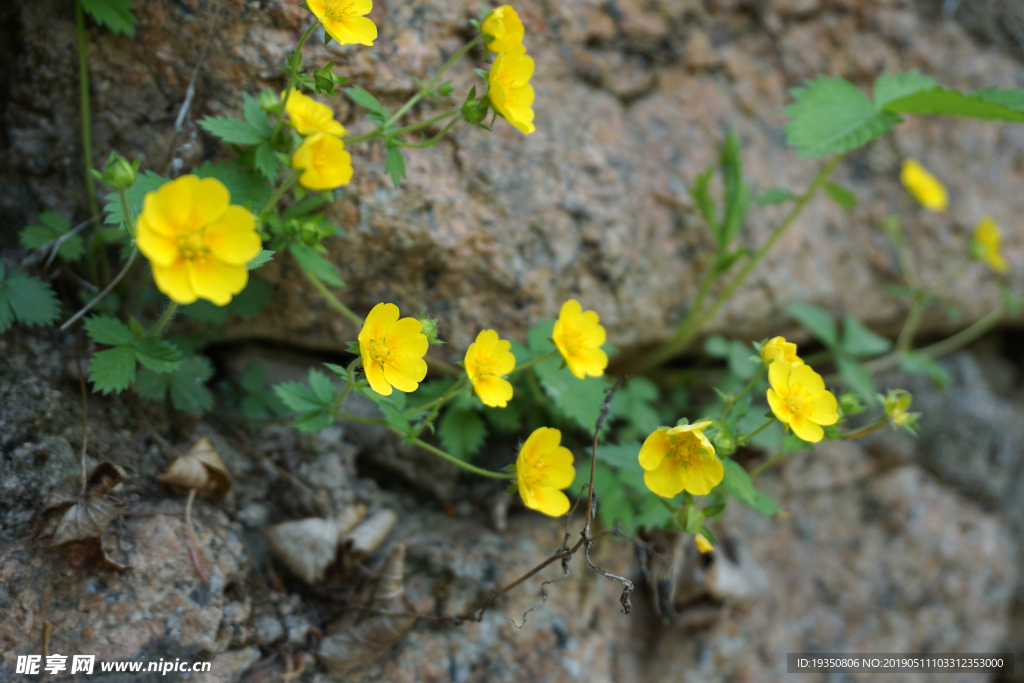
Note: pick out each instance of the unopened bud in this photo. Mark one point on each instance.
(851, 404)
(474, 110)
(445, 89)
(118, 173)
(429, 329)
(269, 101)
(897, 404)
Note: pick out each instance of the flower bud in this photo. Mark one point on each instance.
(445, 89)
(703, 544)
(430, 329)
(269, 101)
(897, 403)
(474, 110)
(118, 173)
(851, 404)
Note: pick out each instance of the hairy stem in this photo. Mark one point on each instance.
(437, 407)
(83, 88)
(274, 198)
(746, 439)
(333, 300)
(291, 83)
(164, 319)
(106, 290)
(866, 429)
(736, 399)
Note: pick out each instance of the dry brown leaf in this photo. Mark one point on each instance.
(360, 542)
(70, 516)
(308, 546)
(201, 468)
(358, 644)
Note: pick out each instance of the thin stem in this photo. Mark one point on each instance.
(360, 418)
(291, 82)
(83, 88)
(534, 361)
(437, 407)
(769, 463)
(193, 544)
(164, 319)
(274, 198)
(750, 385)
(341, 398)
(455, 461)
(333, 300)
(432, 141)
(401, 131)
(429, 404)
(865, 430)
(910, 325)
(746, 439)
(106, 290)
(687, 331)
(127, 213)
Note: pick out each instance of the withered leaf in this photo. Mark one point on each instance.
(360, 542)
(70, 516)
(201, 468)
(308, 546)
(88, 518)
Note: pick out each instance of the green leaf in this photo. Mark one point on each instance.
(188, 385)
(507, 420)
(815, 320)
(145, 182)
(953, 103)
(366, 101)
(775, 195)
(702, 197)
(917, 363)
(251, 300)
(311, 260)
(717, 346)
(739, 360)
(620, 456)
(262, 258)
(247, 188)
(394, 165)
(741, 487)
(613, 500)
(37, 236)
(157, 355)
(235, 131)
(256, 117)
(298, 397)
(266, 162)
(765, 505)
(738, 194)
(890, 87)
(846, 199)
(634, 402)
(832, 116)
(53, 226)
(394, 417)
(30, 300)
(312, 422)
(253, 378)
(322, 386)
(578, 399)
(106, 330)
(857, 377)
(462, 433)
(113, 369)
(116, 14)
(858, 340)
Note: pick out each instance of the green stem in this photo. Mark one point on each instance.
(164, 319)
(746, 439)
(865, 430)
(127, 213)
(338, 401)
(106, 290)
(736, 399)
(379, 133)
(281, 189)
(768, 463)
(534, 361)
(432, 141)
(437, 407)
(333, 300)
(83, 88)
(428, 404)
(690, 328)
(291, 83)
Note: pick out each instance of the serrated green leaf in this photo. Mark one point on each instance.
(954, 103)
(846, 199)
(267, 163)
(247, 188)
(256, 117)
(113, 369)
(109, 331)
(739, 484)
(312, 422)
(157, 355)
(366, 101)
(298, 397)
(702, 197)
(815, 320)
(738, 194)
(858, 340)
(232, 130)
(857, 377)
(890, 87)
(322, 386)
(145, 182)
(251, 300)
(462, 433)
(775, 195)
(394, 165)
(206, 312)
(29, 298)
(116, 14)
(262, 258)
(313, 262)
(37, 236)
(832, 116)
(393, 416)
(620, 456)
(306, 206)
(188, 385)
(253, 378)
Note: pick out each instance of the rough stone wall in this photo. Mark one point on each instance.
(633, 97)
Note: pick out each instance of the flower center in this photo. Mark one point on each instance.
(485, 367)
(191, 246)
(379, 351)
(534, 474)
(572, 339)
(338, 9)
(800, 401)
(685, 452)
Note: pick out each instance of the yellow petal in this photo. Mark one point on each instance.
(926, 188)
(570, 313)
(667, 480)
(375, 376)
(406, 337)
(210, 199)
(493, 391)
(778, 406)
(215, 280)
(378, 320)
(587, 362)
(559, 469)
(806, 430)
(157, 247)
(807, 378)
(173, 280)
(233, 238)
(704, 475)
(655, 448)
(542, 440)
(825, 410)
(778, 376)
(405, 371)
(548, 500)
(703, 544)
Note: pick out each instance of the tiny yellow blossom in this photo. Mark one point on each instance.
(326, 162)
(987, 245)
(504, 27)
(680, 458)
(798, 398)
(544, 467)
(487, 359)
(392, 350)
(308, 116)
(780, 349)
(897, 405)
(926, 188)
(511, 93)
(197, 241)
(345, 20)
(578, 335)
(703, 544)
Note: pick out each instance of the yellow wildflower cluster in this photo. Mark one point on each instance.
(322, 155)
(510, 91)
(798, 397)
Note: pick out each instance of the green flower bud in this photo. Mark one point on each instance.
(851, 404)
(310, 233)
(445, 89)
(269, 101)
(474, 109)
(118, 173)
(430, 329)
(897, 402)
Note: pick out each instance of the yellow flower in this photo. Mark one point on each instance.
(308, 116)
(578, 336)
(344, 20)
(680, 458)
(703, 544)
(897, 403)
(392, 350)
(780, 349)
(328, 165)
(511, 93)
(543, 469)
(504, 26)
(987, 245)
(197, 240)
(487, 359)
(926, 188)
(798, 398)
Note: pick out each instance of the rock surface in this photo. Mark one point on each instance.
(497, 230)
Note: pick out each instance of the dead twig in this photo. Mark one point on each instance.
(193, 544)
(85, 414)
(46, 639)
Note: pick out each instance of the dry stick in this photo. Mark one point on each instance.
(193, 544)
(85, 414)
(46, 639)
